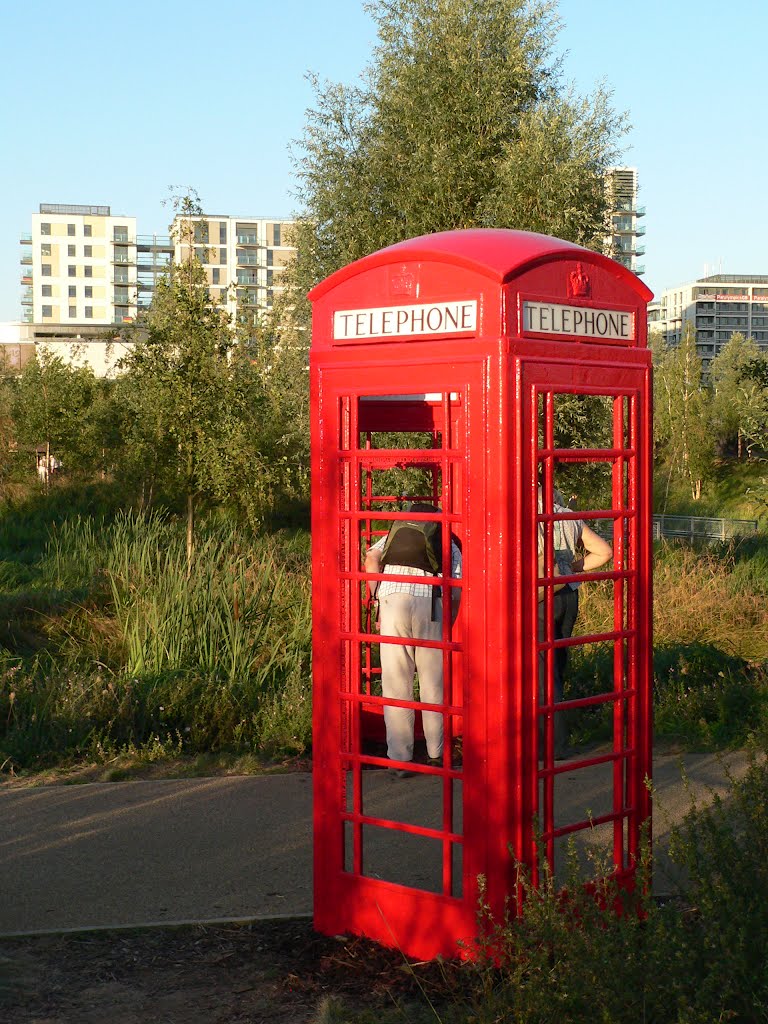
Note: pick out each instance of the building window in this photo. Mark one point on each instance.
(88, 312)
(45, 249)
(70, 230)
(222, 257)
(45, 269)
(270, 257)
(88, 271)
(70, 250)
(215, 275)
(121, 233)
(47, 291)
(276, 234)
(223, 233)
(45, 229)
(87, 230)
(73, 311)
(72, 271)
(88, 291)
(88, 251)
(72, 291)
(47, 311)
(201, 231)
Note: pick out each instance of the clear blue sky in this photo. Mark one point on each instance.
(112, 103)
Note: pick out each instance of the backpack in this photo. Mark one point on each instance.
(416, 544)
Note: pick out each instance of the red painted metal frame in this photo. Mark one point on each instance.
(482, 459)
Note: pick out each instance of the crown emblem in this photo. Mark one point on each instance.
(579, 282)
(401, 282)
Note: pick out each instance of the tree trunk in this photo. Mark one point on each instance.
(190, 529)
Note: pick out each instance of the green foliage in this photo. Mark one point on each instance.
(722, 848)
(118, 644)
(593, 952)
(461, 121)
(739, 412)
(710, 660)
(707, 699)
(732, 491)
(682, 434)
(51, 405)
(703, 698)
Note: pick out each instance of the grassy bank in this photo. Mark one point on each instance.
(710, 657)
(110, 645)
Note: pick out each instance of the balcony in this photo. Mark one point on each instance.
(26, 261)
(248, 239)
(627, 206)
(124, 259)
(26, 238)
(26, 279)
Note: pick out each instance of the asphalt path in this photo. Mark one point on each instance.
(131, 854)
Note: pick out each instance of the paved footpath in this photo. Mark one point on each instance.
(138, 853)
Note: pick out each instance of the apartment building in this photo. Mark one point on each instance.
(716, 307)
(623, 227)
(86, 273)
(244, 257)
(79, 266)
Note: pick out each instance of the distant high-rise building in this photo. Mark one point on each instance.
(716, 307)
(623, 228)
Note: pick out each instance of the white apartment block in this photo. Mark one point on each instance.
(86, 273)
(716, 307)
(79, 266)
(623, 228)
(244, 258)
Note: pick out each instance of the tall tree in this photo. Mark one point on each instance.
(740, 399)
(461, 121)
(178, 378)
(682, 430)
(52, 403)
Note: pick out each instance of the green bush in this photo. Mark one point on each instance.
(703, 698)
(593, 952)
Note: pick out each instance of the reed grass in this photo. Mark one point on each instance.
(109, 641)
(202, 657)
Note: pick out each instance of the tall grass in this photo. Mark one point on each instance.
(208, 656)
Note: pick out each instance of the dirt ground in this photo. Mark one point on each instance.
(277, 971)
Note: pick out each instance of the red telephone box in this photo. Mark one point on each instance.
(442, 370)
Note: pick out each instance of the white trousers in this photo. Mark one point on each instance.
(408, 616)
